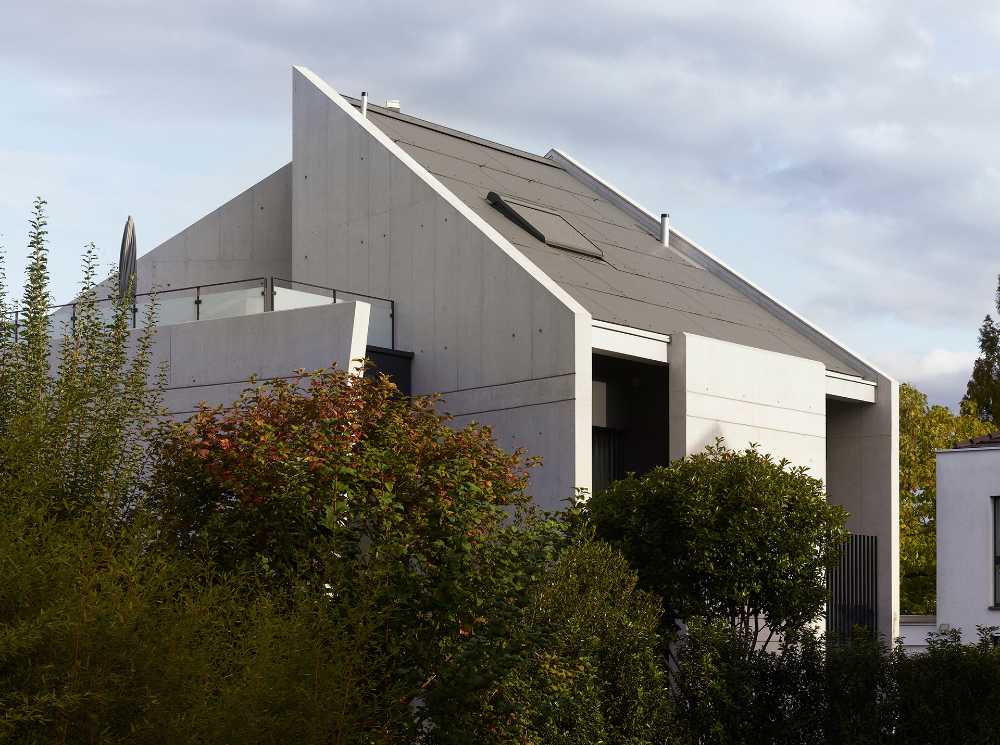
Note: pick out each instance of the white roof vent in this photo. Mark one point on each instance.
(393, 104)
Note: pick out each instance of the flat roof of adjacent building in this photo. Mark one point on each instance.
(991, 440)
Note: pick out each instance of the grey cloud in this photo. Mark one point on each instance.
(862, 134)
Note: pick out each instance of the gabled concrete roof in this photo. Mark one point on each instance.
(639, 282)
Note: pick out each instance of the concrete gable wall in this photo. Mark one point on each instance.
(502, 342)
(249, 236)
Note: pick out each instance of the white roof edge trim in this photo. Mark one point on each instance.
(632, 330)
(445, 193)
(652, 225)
(850, 378)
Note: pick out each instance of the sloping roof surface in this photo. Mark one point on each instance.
(991, 440)
(637, 283)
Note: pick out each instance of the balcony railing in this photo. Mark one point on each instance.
(239, 298)
(286, 295)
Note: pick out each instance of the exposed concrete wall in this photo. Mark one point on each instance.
(506, 345)
(721, 389)
(211, 361)
(966, 479)
(863, 477)
(249, 236)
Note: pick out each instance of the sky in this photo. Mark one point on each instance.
(843, 155)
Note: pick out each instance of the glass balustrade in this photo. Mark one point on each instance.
(289, 295)
(379, 321)
(172, 306)
(230, 299)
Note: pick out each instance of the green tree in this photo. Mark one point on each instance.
(924, 429)
(727, 535)
(983, 390)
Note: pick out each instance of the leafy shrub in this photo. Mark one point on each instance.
(806, 692)
(306, 594)
(580, 664)
(727, 535)
(857, 693)
(330, 454)
(951, 694)
(332, 473)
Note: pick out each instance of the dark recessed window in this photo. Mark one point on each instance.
(547, 226)
(608, 457)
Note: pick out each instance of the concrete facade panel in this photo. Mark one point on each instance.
(746, 395)
(798, 449)
(266, 345)
(756, 414)
(755, 376)
(182, 402)
(540, 430)
(212, 361)
(472, 401)
(850, 390)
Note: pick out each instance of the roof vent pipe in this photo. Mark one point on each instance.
(665, 229)
(364, 103)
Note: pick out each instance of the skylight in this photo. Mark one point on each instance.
(547, 226)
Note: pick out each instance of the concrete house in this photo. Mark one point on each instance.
(538, 299)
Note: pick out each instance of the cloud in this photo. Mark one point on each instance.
(938, 362)
(940, 373)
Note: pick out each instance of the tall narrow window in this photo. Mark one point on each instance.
(996, 551)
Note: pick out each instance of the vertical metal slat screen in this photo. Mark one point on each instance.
(853, 588)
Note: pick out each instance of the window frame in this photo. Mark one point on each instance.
(995, 564)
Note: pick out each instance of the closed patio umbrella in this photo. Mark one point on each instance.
(126, 260)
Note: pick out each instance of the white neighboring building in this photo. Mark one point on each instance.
(538, 299)
(968, 540)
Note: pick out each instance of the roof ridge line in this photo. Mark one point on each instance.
(457, 133)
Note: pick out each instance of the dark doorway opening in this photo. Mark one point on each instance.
(630, 418)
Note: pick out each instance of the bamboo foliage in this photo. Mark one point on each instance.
(76, 398)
